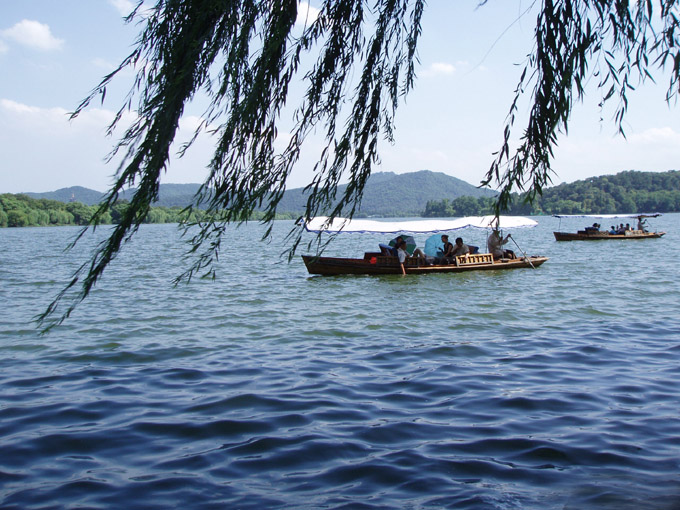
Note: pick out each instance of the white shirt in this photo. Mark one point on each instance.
(460, 250)
(494, 244)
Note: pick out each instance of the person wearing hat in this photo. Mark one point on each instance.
(495, 244)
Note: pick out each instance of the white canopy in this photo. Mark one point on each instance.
(605, 216)
(320, 224)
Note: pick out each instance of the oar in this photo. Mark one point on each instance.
(523, 253)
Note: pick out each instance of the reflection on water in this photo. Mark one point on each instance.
(268, 388)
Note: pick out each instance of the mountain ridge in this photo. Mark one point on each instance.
(385, 194)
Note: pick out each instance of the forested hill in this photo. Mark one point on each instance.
(626, 192)
(385, 194)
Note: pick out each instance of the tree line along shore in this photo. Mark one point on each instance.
(23, 211)
(625, 192)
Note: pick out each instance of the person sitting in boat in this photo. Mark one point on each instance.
(446, 251)
(594, 228)
(400, 244)
(448, 247)
(460, 248)
(621, 230)
(612, 231)
(495, 244)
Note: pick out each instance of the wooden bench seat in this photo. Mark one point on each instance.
(387, 260)
(391, 260)
(414, 262)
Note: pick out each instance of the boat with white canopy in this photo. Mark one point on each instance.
(594, 232)
(386, 262)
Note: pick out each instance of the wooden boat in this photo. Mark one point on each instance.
(375, 263)
(595, 235)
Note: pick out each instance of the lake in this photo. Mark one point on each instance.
(557, 387)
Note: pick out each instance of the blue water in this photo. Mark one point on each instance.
(267, 388)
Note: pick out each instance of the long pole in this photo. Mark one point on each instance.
(523, 253)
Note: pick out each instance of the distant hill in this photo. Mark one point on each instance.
(389, 194)
(171, 195)
(627, 192)
(630, 191)
(73, 194)
(385, 194)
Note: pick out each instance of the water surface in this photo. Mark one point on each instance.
(267, 388)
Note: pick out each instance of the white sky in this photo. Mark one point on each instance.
(52, 53)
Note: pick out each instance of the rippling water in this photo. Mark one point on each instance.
(528, 389)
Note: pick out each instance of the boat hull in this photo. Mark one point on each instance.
(376, 265)
(599, 236)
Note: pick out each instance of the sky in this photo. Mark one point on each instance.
(470, 59)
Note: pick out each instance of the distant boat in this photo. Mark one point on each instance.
(381, 263)
(594, 234)
(582, 235)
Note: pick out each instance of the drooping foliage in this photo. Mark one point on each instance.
(619, 43)
(247, 55)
